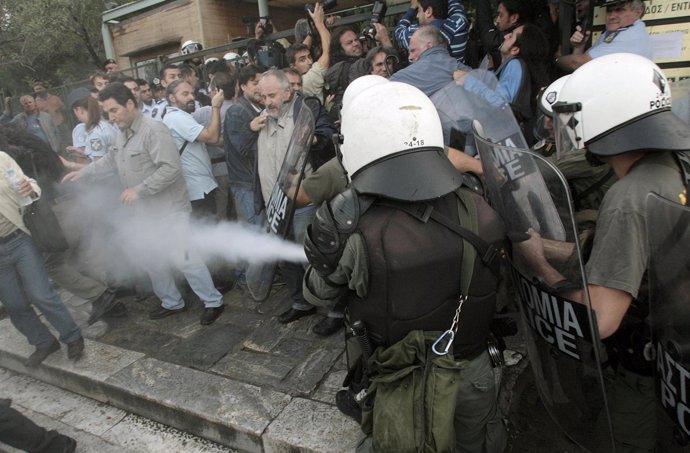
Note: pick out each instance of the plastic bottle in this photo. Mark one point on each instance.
(14, 184)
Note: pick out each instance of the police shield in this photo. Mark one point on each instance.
(476, 97)
(668, 232)
(281, 206)
(562, 339)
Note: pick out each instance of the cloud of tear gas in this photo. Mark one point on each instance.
(124, 242)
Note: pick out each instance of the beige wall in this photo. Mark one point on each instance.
(212, 22)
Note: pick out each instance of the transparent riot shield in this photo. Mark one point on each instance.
(668, 233)
(559, 326)
(479, 98)
(479, 101)
(281, 206)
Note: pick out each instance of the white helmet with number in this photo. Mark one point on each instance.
(393, 144)
(615, 104)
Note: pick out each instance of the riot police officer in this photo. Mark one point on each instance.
(396, 245)
(618, 109)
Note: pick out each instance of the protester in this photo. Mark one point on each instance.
(37, 122)
(148, 163)
(446, 15)
(23, 279)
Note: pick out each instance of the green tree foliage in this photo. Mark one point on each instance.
(57, 41)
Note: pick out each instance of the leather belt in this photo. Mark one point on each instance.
(10, 236)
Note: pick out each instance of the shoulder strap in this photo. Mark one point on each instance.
(468, 215)
(344, 76)
(488, 253)
(600, 182)
(184, 145)
(683, 159)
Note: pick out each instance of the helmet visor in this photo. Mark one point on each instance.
(567, 118)
(191, 48)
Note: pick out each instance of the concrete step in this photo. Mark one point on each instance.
(96, 427)
(242, 416)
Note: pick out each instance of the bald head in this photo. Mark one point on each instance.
(425, 38)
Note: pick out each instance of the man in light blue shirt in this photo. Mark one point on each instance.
(190, 138)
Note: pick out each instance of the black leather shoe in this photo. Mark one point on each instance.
(162, 312)
(40, 354)
(102, 305)
(327, 326)
(61, 443)
(211, 314)
(75, 349)
(118, 311)
(293, 315)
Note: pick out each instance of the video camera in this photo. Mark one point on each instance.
(378, 12)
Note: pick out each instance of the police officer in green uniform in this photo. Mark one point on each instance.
(618, 109)
(395, 244)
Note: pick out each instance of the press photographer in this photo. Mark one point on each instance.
(348, 57)
(301, 56)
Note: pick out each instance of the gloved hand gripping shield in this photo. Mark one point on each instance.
(533, 198)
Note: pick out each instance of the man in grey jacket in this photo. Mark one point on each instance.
(37, 122)
(148, 164)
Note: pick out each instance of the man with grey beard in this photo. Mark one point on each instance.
(190, 138)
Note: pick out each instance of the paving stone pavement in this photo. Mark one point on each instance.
(246, 381)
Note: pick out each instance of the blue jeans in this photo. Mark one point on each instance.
(24, 282)
(294, 272)
(246, 206)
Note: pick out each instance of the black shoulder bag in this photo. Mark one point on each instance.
(43, 224)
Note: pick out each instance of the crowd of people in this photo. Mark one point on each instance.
(206, 141)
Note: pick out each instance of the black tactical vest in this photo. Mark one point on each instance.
(414, 272)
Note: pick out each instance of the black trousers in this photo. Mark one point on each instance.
(205, 208)
(20, 432)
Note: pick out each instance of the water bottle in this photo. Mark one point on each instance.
(14, 184)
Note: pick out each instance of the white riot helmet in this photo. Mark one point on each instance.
(393, 144)
(615, 104)
(231, 56)
(358, 85)
(543, 126)
(190, 46)
(549, 95)
(210, 60)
